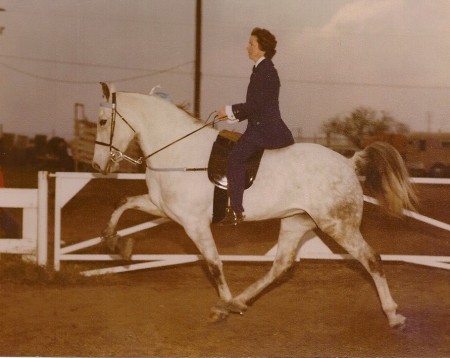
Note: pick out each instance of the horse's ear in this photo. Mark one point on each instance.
(106, 92)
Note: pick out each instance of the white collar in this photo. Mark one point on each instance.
(259, 61)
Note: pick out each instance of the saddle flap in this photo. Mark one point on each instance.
(217, 165)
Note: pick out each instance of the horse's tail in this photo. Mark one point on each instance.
(387, 178)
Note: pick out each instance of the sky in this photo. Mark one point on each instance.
(332, 57)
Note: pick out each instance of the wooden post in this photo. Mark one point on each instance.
(198, 57)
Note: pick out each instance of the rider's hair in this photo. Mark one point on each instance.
(266, 41)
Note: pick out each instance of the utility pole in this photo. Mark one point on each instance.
(198, 57)
(2, 28)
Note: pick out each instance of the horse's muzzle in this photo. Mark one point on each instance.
(99, 169)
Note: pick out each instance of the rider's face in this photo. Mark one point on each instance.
(254, 52)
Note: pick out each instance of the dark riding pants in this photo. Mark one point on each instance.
(236, 172)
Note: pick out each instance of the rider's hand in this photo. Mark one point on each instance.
(221, 114)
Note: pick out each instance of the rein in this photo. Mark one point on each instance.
(116, 155)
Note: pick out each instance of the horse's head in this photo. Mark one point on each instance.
(114, 133)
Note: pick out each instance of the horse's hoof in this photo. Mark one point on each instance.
(219, 312)
(217, 315)
(126, 248)
(236, 307)
(398, 322)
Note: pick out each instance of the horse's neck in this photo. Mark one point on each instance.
(161, 124)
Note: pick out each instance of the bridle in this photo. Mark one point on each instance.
(116, 155)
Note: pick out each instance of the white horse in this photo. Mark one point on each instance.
(307, 186)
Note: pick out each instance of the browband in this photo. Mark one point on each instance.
(108, 105)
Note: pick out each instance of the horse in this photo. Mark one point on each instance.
(306, 186)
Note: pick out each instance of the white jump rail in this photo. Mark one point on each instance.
(68, 184)
(34, 204)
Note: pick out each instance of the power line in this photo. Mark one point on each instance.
(171, 69)
(319, 33)
(74, 63)
(50, 79)
(366, 84)
(343, 83)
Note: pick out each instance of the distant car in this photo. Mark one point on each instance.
(429, 153)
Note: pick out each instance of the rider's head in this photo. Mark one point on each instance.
(266, 40)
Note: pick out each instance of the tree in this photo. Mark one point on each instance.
(363, 122)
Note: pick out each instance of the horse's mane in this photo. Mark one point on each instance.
(156, 91)
(184, 107)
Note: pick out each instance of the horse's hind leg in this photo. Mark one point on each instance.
(291, 231)
(109, 234)
(359, 249)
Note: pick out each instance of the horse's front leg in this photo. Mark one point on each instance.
(200, 233)
(109, 234)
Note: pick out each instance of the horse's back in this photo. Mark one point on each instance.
(306, 177)
(310, 160)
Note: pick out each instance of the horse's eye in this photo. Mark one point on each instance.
(102, 122)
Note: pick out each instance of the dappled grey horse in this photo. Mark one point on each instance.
(306, 186)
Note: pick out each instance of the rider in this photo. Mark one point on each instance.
(265, 129)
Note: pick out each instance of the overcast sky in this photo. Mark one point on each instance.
(333, 56)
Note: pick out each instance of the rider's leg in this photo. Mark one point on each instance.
(236, 171)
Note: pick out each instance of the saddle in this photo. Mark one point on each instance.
(217, 170)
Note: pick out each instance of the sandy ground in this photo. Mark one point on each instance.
(320, 308)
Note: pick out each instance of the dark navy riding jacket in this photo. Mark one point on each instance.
(261, 109)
